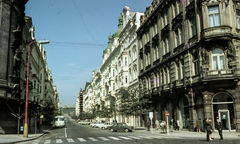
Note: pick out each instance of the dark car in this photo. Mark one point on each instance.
(121, 127)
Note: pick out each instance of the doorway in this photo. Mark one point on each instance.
(224, 117)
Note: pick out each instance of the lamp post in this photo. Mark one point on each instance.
(25, 130)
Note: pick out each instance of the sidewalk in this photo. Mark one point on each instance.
(14, 138)
(190, 134)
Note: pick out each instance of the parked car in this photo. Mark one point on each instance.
(59, 121)
(84, 122)
(105, 125)
(121, 127)
(97, 124)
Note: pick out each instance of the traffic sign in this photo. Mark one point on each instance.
(167, 113)
(150, 115)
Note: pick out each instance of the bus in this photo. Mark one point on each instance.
(59, 121)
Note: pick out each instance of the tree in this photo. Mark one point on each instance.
(132, 103)
(49, 111)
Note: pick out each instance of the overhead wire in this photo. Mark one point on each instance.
(85, 24)
(75, 44)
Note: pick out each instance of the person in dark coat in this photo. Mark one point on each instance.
(209, 129)
(219, 128)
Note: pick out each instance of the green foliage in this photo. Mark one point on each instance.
(132, 103)
(86, 115)
(49, 111)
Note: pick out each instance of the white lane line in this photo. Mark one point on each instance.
(70, 140)
(92, 139)
(171, 137)
(47, 142)
(59, 141)
(114, 138)
(65, 132)
(81, 139)
(145, 137)
(103, 138)
(134, 137)
(124, 137)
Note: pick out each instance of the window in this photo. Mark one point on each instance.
(195, 65)
(34, 84)
(238, 19)
(165, 46)
(178, 38)
(193, 26)
(113, 86)
(214, 16)
(125, 61)
(218, 59)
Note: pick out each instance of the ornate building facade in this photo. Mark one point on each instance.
(189, 60)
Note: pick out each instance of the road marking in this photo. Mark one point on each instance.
(134, 137)
(92, 139)
(171, 137)
(124, 137)
(65, 132)
(145, 137)
(114, 138)
(47, 142)
(70, 140)
(59, 141)
(81, 139)
(103, 138)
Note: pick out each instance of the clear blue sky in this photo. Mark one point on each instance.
(78, 31)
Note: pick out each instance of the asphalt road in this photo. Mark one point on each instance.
(74, 133)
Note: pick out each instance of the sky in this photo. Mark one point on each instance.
(78, 32)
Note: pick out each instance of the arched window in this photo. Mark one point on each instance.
(218, 59)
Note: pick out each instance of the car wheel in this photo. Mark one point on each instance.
(126, 130)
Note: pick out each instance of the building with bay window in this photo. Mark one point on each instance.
(189, 60)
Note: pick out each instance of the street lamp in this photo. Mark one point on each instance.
(25, 130)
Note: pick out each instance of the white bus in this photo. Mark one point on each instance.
(59, 121)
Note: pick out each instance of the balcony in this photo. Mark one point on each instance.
(165, 87)
(221, 74)
(179, 83)
(216, 32)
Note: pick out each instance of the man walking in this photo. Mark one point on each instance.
(219, 128)
(208, 128)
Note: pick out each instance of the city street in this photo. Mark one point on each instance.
(75, 133)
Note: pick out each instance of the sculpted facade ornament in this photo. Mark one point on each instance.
(231, 53)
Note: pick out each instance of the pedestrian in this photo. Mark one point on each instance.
(208, 128)
(148, 124)
(157, 124)
(177, 125)
(163, 127)
(219, 128)
(198, 125)
(171, 125)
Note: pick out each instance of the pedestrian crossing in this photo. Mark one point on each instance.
(93, 139)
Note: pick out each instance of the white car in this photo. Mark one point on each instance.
(96, 125)
(105, 125)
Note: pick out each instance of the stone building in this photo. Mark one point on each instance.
(17, 45)
(189, 60)
(11, 27)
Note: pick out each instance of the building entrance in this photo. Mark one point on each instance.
(224, 110)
